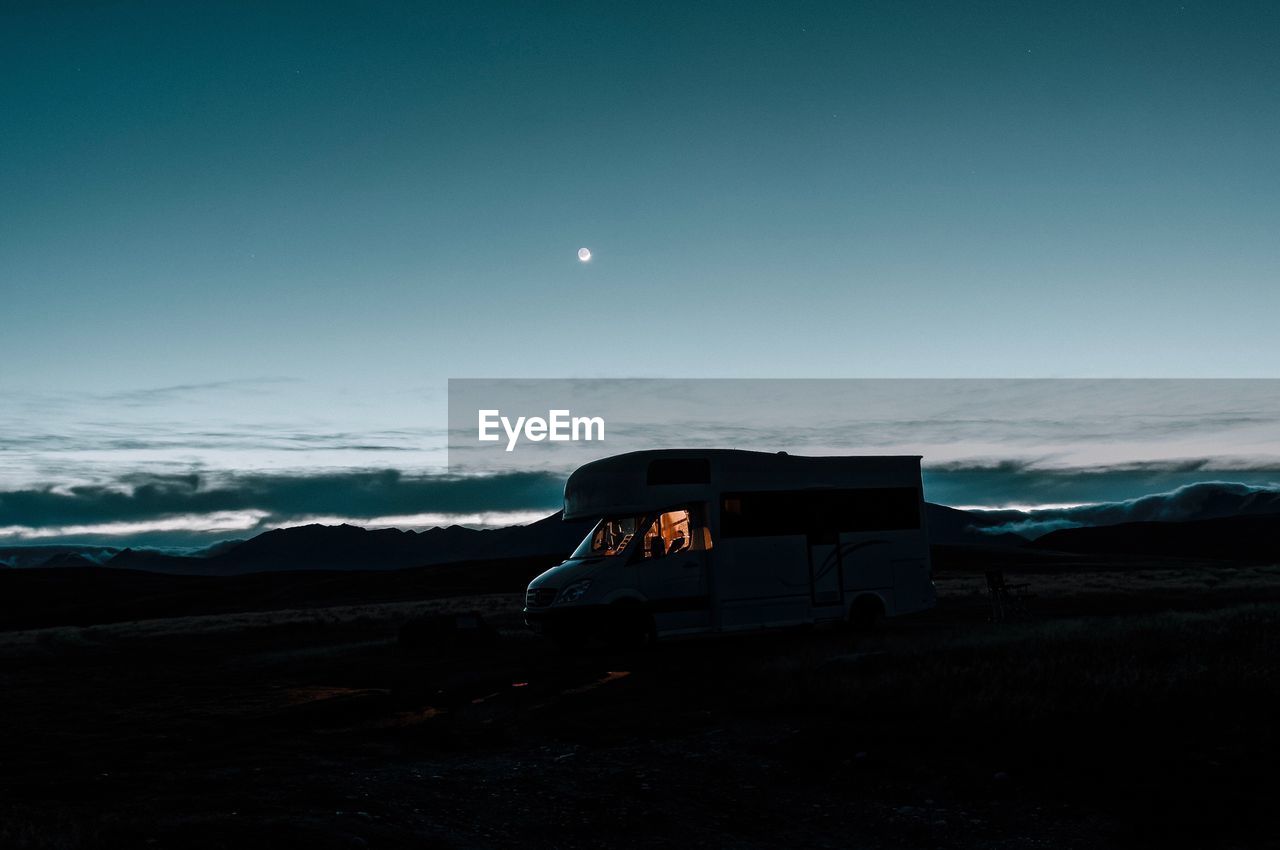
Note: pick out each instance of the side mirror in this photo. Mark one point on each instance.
(657, 548)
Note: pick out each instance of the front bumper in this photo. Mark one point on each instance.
(570, 620)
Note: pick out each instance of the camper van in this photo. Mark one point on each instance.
(706, 541)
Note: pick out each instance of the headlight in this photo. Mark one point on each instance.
(573, 591)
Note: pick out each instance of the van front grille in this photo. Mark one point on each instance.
(539, 597)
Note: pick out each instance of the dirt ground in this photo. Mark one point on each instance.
(1124, 709)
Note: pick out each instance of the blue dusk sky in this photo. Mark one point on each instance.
(253, 241)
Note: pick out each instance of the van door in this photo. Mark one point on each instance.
(672, 569)
(825, 569)
(676, 587)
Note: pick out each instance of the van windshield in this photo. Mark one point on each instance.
(611, 536)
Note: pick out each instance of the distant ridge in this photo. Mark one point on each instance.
(1179, 523)
(1188, 503)
(1245, 538)
(65, 560)
(952, 526)
(349, 547)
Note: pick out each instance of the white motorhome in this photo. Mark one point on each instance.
(704, 541)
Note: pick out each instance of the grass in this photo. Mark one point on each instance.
(384, 617)
(1189, 585)
(1166, 720)
(1211, 666)
(1143, 722)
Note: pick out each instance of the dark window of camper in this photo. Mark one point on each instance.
(680, 470)
(779, 512)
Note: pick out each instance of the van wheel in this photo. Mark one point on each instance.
(630, 626)
(867, 613)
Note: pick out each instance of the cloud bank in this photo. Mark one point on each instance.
(196, 509)
(1203, 500)
(183, 509)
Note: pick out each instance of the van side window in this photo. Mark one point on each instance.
(677, 531)
(771, 513)
(666, 535)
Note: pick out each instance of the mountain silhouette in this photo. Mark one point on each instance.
(63, 560)
(951, 526)
(349, 547)
(53, 555)
(1202, 500)
(1254, 537)
(1157, 525)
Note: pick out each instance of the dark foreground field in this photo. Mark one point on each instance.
(1131, 708)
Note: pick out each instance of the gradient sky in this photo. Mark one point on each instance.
(270, 216)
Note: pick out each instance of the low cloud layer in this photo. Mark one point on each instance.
(197, 509)
(1203, 500)
(175, 509)
(1029, 484)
